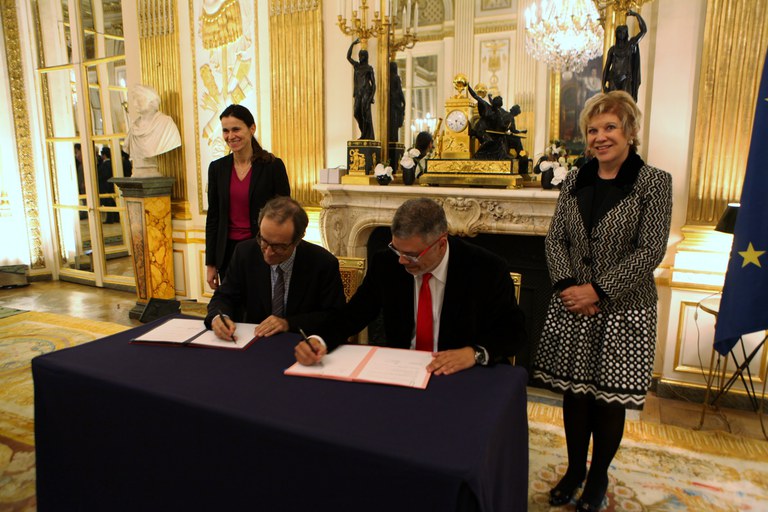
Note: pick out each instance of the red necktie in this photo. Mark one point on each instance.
(424, 338)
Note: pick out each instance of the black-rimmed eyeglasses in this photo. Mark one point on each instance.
(275, 247)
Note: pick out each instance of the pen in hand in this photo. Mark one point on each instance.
(306, 340)
(224, 321)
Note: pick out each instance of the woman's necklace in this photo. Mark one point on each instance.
(242, 168)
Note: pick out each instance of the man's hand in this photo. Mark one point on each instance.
(452, 361)
(223, 327)
(270, 326)
(309, 356)
(211, 276)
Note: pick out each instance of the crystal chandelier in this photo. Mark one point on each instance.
(564, 34)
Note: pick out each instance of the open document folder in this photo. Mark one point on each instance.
(182, 331)
(362, 363)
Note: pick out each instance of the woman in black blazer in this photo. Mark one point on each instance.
(239, 185)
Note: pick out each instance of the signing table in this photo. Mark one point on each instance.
(122, 426)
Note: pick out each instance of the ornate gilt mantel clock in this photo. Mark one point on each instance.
(454, 165)
(456, 141)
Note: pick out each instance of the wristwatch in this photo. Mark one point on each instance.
(481, 356)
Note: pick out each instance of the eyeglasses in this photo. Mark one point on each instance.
(275, 247)
(414, 259)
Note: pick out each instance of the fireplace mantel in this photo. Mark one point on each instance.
(350, 212)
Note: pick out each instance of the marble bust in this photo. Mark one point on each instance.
(151, 133)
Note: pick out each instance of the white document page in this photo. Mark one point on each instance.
(399, 367)
(381, 365)
(175, 330)
(339, 364)
(243, 336)
(193, 332)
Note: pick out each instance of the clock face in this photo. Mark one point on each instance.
(456, 120)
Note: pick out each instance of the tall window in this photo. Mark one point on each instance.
(81, 63)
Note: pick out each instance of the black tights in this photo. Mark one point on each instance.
(584, 417)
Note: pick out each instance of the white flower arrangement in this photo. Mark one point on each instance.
(559, 169)
(407, 161)
(560, 172)
(380, 170)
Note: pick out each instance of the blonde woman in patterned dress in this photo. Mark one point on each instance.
(608, 235)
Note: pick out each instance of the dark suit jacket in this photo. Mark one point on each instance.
(267, 181)
(479, 305)
(315, 289)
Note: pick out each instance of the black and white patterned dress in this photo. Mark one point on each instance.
(609, 355)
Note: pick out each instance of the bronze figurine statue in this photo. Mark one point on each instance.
(622, 66)
(365, 88)
(396, 103)
(495, 130)
(513, 134)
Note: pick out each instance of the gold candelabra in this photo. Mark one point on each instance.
(615, 11)
(410, 26)
(359, 27)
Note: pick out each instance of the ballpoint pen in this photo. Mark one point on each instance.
(221, 317)
(306, 340)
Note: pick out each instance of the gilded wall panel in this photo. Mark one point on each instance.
(296, 49)
(494, 66)
(225, 61)
(735, 42)
(180, 273)
(23, 136)
(160, 68)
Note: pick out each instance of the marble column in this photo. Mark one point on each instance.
(148, 202)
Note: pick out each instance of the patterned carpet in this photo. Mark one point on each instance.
(6, 312)
(658, 468)
(22, 337)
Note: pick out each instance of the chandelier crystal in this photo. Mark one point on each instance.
(564, 34)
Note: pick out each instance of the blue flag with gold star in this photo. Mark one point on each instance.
(744, 306)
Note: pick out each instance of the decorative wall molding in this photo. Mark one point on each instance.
(23, 135)
(226, 70)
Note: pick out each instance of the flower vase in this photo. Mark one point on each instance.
(384, 179)
(546, 179)
(409, 175)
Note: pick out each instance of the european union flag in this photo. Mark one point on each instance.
(743, 308)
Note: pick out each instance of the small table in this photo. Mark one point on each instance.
(125, 427)
(711, 305)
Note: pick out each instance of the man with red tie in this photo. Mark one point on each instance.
(436, 293)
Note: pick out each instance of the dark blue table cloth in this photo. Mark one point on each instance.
(123, 426)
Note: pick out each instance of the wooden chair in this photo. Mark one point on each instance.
(517, 279)
(352, 271)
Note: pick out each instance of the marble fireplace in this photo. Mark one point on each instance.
(351, 212)
(355, 219)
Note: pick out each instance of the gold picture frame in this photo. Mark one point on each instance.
(568, 92)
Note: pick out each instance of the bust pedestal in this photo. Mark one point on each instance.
(148, 202)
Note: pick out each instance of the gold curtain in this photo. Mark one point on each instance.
(296, 50)
(160, 69)
(735, 42)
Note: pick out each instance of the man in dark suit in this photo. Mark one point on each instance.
(437, 293)
(280, 281)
